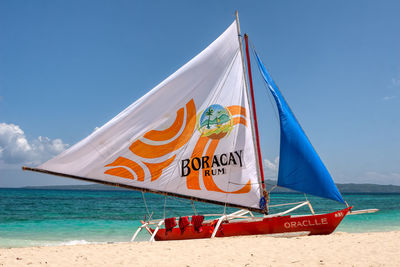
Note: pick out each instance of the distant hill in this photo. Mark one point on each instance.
(343, 188)
(368, 188)
(349, 188)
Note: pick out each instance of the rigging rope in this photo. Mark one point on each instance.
(272, 102)
(145, 204)
(276, 115)
(305, 196)
(194, 208)
(165, 204)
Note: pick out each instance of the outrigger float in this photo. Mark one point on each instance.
(195, 136)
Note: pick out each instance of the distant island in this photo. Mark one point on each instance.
(343, 188)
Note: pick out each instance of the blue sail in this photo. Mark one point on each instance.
(300, 167)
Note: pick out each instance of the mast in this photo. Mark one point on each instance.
(253, 116)
(254, 110)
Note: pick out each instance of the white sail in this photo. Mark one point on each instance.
(191, 135)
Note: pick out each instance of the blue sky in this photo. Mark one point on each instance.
(67, 67)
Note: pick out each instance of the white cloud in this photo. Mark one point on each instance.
(395, 82)
(386, 98)
(271, 168)
(394, 85)
(16, 149)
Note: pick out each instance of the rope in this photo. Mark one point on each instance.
(194, 208)
(165, 204)
(273, 187)
(271, 101)
(145, 204)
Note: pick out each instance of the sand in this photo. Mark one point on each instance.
(345, 249)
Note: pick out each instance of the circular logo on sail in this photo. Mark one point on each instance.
(215, 122)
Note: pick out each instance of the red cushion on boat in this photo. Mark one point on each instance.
(170, 223)
(183, 222)
(197, 221)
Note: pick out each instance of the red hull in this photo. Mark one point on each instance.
(322, 224)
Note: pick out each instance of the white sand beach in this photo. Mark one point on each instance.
(345, 249)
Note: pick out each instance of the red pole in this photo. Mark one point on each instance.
(254, 112)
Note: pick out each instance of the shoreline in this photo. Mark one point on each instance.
(339, 248)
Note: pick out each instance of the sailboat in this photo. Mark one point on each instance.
(195, 136)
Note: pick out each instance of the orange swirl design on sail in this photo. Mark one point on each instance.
(167, 134)
(157, 168)
(121, 161)
(237, 110)
(155, 151)
(120, 172)
(125, 168)
(239, 120)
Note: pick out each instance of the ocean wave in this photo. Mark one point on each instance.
(11, 243)
(79, 242)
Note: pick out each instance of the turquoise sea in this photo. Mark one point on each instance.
(31, 217)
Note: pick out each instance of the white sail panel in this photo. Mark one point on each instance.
(191, 135)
